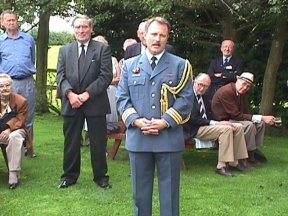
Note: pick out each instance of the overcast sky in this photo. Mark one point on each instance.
(58, 24)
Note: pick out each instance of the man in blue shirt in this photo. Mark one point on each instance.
(17, 58)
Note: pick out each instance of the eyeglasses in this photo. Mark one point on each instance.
(5, 85)
(202, 85)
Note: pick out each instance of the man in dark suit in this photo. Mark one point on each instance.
(153, 120)
(230, 102)
(224, 69)
(84, 73)
(230, 136)
(139, 48)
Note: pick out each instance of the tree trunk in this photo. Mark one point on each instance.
(273, 62)
(41, 63)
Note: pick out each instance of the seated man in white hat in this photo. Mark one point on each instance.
(231, 103)
(13, 115)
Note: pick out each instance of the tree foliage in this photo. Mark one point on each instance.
(198, 27)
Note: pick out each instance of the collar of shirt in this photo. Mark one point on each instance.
(85, 47)
(20, 34)
(228, 59)
(149, 56)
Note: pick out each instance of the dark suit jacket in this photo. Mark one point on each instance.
(227, 105)
(233, 68)
(135, 49)
(95, 77)
(196, 121)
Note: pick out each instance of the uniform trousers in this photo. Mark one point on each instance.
(14, 149)
(232, 144)
(254, 134)
(168, 171)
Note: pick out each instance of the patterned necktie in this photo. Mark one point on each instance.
(81, 59)
(153, 64)
(225, 61)
(202, 107)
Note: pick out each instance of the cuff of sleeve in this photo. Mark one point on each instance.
(256, 118)
(174, 115)
(128, 113)
(166, 123)
(212, 122)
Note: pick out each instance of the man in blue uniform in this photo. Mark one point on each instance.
(154, 97)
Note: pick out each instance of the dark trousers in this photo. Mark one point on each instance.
(72, 129)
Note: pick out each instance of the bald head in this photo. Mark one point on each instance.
(201, 83)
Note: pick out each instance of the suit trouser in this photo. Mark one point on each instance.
(232, 144)
(14, 149)
(168, 170)
(254, 134)
(72, 129)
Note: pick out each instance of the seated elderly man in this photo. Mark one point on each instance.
(14, 110)
(232, 146)
(230, 103)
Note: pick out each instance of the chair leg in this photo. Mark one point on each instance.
(3, 148)
(182, 164)
(114, 150)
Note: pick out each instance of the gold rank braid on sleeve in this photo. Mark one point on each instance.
(165, 89)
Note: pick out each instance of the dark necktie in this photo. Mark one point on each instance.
(81, 59)
(225, 61)
(202, 107)
(153, 64)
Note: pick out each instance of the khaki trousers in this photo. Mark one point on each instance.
(15, 149)
(232, 144)
(254, 134)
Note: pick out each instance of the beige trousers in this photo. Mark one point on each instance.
(232, 144)
(15, 149)
(254, 134)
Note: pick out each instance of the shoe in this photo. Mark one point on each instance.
(224, 171)
(259, 156)
(104, 183)
(240, 168)
(13, 185)
(66, 183)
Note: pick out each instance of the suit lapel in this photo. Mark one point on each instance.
(144, 64)
(73, 55)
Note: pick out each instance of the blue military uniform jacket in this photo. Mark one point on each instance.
(138, 95)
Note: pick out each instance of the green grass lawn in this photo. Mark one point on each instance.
(262, 192)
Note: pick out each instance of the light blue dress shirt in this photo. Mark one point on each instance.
(17, 55)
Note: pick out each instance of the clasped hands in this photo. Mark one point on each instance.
(150, 127)
(77, 100)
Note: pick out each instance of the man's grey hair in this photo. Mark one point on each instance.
(90, 22)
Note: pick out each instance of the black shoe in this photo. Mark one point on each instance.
(13, 185)
(259, 156)
(240, 168)
(104, 183)
(224, 171)
(66, 183)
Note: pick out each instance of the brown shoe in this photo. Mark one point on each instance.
(224, 171)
